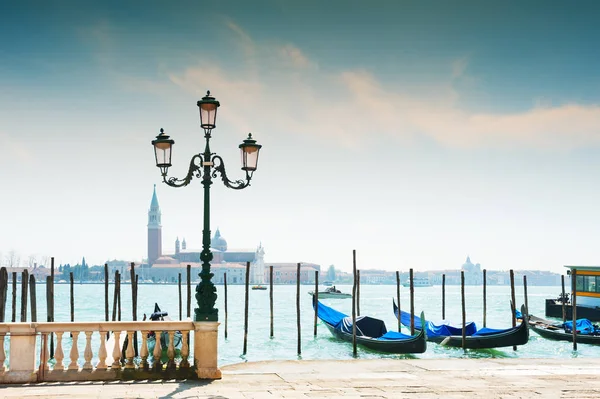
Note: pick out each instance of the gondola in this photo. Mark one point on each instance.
(587, 333)
(370, 332)
(159, 315)
(484, 338)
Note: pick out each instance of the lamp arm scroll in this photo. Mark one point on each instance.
(219, 166)
(195, 170)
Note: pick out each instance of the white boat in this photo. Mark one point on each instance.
(331, 292)
(418, 282)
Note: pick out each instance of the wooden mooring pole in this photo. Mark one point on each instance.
(51, 306)
(32, 297)
(72, 297)
(526, 301)
(179, 288)
(464, 312)
(14, 297)
(24, 286)
(398, 299)
(225, 291)
(443, 297)
(316, 301)
(354, 351)
(189, 292)
(115, 296)
(119, 297)
(133, 278)
(246, 307)
(564, 300)
(271, 296)
(513, 301)
(412, 303)
(106, 292)
(298, 309)
(358, 293)
(484, 297)
(574, 306)
(3, 293)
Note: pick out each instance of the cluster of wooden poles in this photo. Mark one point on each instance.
(28, 284)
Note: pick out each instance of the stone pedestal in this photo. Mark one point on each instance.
(205, 349)
(22, 347)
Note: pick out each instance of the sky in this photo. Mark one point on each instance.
(414, 132)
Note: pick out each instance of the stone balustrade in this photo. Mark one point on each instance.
(106, 360)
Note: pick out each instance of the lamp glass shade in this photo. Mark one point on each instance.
(249, 151)
(208, 111)
(163, 148)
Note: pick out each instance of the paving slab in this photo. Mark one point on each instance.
(376, 378)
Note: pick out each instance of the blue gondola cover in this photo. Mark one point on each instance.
(365, 326)
(584, 327)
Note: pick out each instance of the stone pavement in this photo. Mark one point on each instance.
(382, 378)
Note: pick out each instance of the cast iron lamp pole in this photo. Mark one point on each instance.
(206, 165)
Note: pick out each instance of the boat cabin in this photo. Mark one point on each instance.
(587, 285)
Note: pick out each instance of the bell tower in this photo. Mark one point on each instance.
(154, 230)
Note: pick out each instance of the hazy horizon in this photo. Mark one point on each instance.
(417, 133)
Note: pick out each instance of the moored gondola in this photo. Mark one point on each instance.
(587, 333)
(370, 332)
(159, 315)
(484, 338)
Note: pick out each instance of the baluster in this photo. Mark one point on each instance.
(171, 351)
(2, 354)
(47, 337)
(58, 353)
(129, 353)
(117, 351)
(144, 350)
(87, 353)
(185, 351)
(74, 352)
(102, 352)
(157, 365)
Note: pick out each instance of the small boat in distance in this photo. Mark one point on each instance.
(259, 287)
(331, 292)
(327, 283)
(418, 282)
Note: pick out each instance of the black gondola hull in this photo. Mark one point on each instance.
(516, 337)
(417, 344)
(545, 329)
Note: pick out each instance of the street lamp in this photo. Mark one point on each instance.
(206, 165)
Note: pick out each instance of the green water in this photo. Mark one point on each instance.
(375, 301)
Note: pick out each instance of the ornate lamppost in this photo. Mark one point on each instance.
(206, 165)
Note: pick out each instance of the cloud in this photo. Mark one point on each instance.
(459, 67)
(354, 107)
(17, 150)
(295, 56)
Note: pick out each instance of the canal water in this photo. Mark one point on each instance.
(375, 301)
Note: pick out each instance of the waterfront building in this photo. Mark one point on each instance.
(166, 266)
(473, 273)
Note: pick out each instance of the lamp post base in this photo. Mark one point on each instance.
(206, 351)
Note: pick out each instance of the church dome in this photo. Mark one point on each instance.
(218, 242)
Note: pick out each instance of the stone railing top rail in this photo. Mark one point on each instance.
(103, 326)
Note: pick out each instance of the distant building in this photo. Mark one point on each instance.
(154, 230)
(167, 266)
(473, 273)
